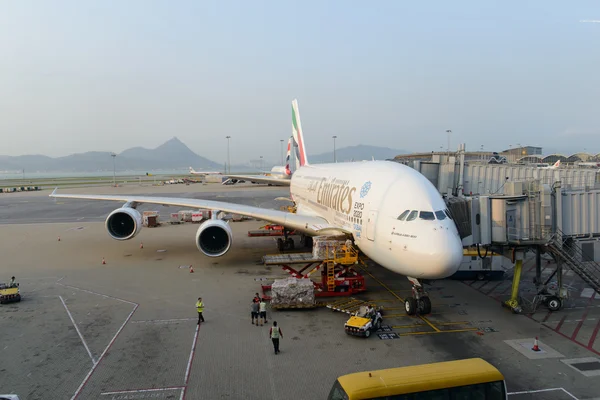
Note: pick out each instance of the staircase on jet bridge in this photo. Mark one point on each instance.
(567, 250)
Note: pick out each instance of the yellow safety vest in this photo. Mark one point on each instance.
(275, 332)
(200, 306)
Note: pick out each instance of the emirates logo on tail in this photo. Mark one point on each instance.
(287, 158)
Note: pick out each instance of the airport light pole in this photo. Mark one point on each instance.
(114, 156)
(261, 163)
(449, 132)
(228, 165)
(334, 157)
(281, 148)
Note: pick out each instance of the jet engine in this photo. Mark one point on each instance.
(214, 238)
(124, 223)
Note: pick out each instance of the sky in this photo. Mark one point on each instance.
(107, 75)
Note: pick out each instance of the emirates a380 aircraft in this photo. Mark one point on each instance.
(392, 213)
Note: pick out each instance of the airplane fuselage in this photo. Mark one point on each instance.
(367, 199)
(279, 172)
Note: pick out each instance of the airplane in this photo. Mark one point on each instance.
(556, 165)
(390, 211)
(279, 175)
(193, 172)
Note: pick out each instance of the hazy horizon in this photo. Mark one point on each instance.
(110, 75)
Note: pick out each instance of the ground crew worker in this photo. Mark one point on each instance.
(275, 333)
(12, 282)
(262, 308)
(254, 311)
(200, 308)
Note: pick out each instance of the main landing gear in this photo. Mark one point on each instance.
(287, 243)
(419, 303)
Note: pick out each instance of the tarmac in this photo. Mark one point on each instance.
(128, 328)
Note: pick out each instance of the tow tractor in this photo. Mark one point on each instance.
(363, 322)
(9, 294)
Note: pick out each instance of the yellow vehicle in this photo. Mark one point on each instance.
(472, 378)
(9, 294)
(364, 322)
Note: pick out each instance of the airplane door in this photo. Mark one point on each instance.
(371, 225)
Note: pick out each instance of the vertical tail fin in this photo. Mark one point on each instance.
(287, 157)
(297, 133)
(556, 164)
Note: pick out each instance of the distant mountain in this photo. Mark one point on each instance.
(356, 153)
(172, 154)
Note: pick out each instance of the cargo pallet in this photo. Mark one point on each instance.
(270, 230)
(338, 277)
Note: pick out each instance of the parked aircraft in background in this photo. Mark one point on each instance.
(279, 175)
(393, 214)
(193, 172)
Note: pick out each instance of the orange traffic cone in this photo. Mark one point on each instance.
(141, 245)
(191, 269)
(103, 262)
(535, 345)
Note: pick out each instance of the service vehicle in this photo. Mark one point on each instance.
(472, 378)
(364, 322)
(9, 294)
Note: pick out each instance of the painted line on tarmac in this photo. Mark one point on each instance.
(189, 364)
(87, 377)
(162, 321)
(99, 294)
(543, 390)
(89, 374)
(143, 390)
(78, 331)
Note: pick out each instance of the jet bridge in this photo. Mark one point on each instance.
(563, 222)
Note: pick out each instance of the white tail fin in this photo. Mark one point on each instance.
(556, 164)
(288, 171)
(297, 133)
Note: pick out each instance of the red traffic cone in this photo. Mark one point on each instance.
(191, 269)
(141, 245)
(103, 262)
(535, 345)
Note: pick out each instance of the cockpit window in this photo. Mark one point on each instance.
(427, 215)
(402, 216)
(412, 216)
(440, 215)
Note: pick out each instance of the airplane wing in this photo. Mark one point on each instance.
(261, 179)
(310, 225)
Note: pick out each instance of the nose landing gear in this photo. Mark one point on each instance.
(419, 303)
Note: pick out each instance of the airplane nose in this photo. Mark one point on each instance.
(444, 256)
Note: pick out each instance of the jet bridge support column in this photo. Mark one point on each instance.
(513, 302)
(538, 265)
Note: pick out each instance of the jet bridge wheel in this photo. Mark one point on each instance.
(554, 303)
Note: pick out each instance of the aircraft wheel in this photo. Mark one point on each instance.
(280, 244)
(410, 305)
(424, 305)
(289, 243)
(554, 303)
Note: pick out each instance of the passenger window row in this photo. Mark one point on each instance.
(411, 215)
